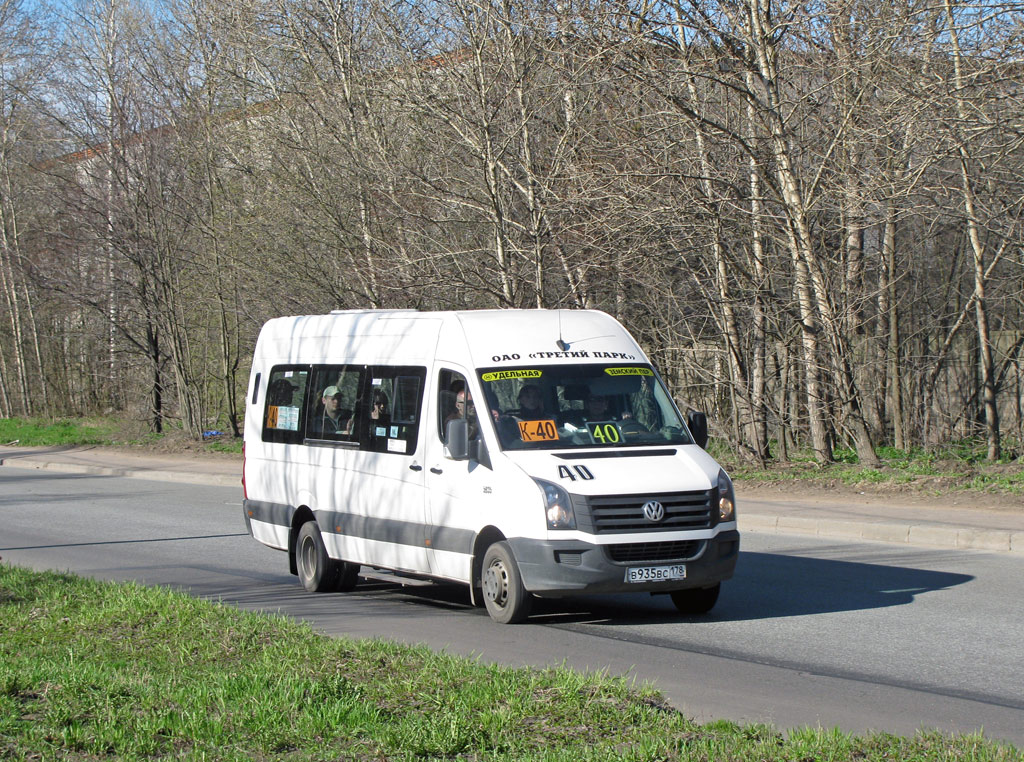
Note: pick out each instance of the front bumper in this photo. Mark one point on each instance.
(551, 568)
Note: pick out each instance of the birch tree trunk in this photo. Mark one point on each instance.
(742, 395)
(813, 295)
(797, 232)
(985, 359)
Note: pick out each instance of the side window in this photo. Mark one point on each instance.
(388, 416)
(333, 401)
(455, 401)
(286, 394)
(376, 408)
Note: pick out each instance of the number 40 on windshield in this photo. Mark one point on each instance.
(605, 433)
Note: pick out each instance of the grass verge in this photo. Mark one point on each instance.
(960, 468)
(40, 432)
(113, 432)
(95, 671)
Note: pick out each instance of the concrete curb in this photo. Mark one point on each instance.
(924, 535)
(187, 477)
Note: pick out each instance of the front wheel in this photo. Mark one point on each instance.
(506, 599)
(696, 600)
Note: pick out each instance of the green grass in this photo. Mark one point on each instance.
(112, 431)
(224, 444)
(98, 671)
(36, 432)
(961, 467)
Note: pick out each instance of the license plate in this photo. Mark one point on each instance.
(655, 573)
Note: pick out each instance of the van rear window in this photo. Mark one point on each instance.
(283, 412)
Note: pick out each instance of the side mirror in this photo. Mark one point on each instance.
(478, 452)
(698, 425)
(457, 434)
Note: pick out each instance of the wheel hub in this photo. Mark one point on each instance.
(496, 583)
(307, 558)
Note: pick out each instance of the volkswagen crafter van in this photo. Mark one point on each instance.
(520, 452)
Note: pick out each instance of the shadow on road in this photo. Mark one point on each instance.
(772, 586)
(766, 586)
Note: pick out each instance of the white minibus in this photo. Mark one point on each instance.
(521, 452)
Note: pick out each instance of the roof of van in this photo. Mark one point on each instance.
(488, 337)
(502, 337)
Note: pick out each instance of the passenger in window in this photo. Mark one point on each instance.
(460, 406)
(464, 408)
(333, 419)
(531, 408)
(531, 402)
(378, 412)
(453, 401)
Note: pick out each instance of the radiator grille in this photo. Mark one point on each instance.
(618, 514)
(638, 552)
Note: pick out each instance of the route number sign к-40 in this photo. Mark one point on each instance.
(538, 431)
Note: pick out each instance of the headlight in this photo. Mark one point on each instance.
(557, 506)
(726, 498)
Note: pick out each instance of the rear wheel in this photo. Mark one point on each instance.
(506, 599)
(318, 572)
(696, 600)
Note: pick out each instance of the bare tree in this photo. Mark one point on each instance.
(22, 59)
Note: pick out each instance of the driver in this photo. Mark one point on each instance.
(596, 408)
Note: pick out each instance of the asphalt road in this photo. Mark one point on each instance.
(810, 632)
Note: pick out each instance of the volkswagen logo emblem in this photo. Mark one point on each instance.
(653, 510)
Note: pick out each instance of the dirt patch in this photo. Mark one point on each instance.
(178, 443)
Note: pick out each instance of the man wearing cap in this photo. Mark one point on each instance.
(331, 422)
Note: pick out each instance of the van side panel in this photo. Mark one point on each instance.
(370, 506)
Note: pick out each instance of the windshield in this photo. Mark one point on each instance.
(580, 406)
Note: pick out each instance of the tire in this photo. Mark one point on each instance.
(318, 572)
(696, 600)
(505, 598)
(348, 576)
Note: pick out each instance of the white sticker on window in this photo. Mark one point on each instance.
(288, 418)
(396, 445)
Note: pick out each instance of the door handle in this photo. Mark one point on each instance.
(415, 467)
(434, 470)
